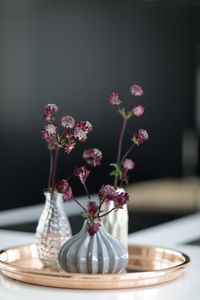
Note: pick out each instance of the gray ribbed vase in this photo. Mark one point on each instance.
(53, 230)
(100, 254)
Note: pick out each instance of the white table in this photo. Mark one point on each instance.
(171, 234)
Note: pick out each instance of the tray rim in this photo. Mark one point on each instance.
(11, 267)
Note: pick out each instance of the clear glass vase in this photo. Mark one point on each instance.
(116, 222)
(53, 230)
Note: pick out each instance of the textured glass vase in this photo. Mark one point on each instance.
(116, 222)
(100, 254)
(53, 230)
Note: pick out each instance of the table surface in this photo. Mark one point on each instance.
(173, 234)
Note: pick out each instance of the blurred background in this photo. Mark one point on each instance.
(75, 53)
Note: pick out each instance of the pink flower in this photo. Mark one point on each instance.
(93, 227)
(137, 139)
(50, 108)
(47, 116)
(82, 173)
(68, 134)
(51, 129)
(138, 110)
(80, 134)
(46, 137)
(81, 130)
(67, 122)
(121, 200)
(114, 99)
(143, 134)
(85, 126)
(140, 137)
(64, 188)
(107, 193)
(69, 147)
(136, 90)
(93, 157)
(92, 209)
(128, 164)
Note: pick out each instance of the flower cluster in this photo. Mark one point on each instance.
(93, 212)
(123, 164)
(72, 131)
(64, 188)
(108, 193)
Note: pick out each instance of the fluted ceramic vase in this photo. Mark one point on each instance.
(116, 222)
(53, 230)
(100, 254)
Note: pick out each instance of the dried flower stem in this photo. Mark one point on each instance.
(120, 141)
(107, 212)
(70, 177)
(87, 191)
(54, 169)
(120, 148)
(127, 152)
(50, 169)
(130, 103)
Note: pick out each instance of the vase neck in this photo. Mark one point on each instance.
(55, 197)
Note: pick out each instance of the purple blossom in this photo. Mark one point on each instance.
(47, 116)
(140, 137)
(80, 134)
(136, 90)
(85, 126)
(93, 227)
(138, 110)
(67, 122)
(64, 188)
(127, 165)
(121, 200)
(69, 147)
(47, 137)
(107, 193)
(113, 99)
(93, 157)
(92, 209)
(51, 129)
(143, 134)
(82, 173)
(68, 134)
(51, 108)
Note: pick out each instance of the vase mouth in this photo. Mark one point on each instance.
(47, 191)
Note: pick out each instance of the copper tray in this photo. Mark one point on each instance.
(147, 266)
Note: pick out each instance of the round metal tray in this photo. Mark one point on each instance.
(147, 266)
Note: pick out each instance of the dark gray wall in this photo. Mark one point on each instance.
(74, 53)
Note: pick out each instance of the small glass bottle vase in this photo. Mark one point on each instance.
(53, 230)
